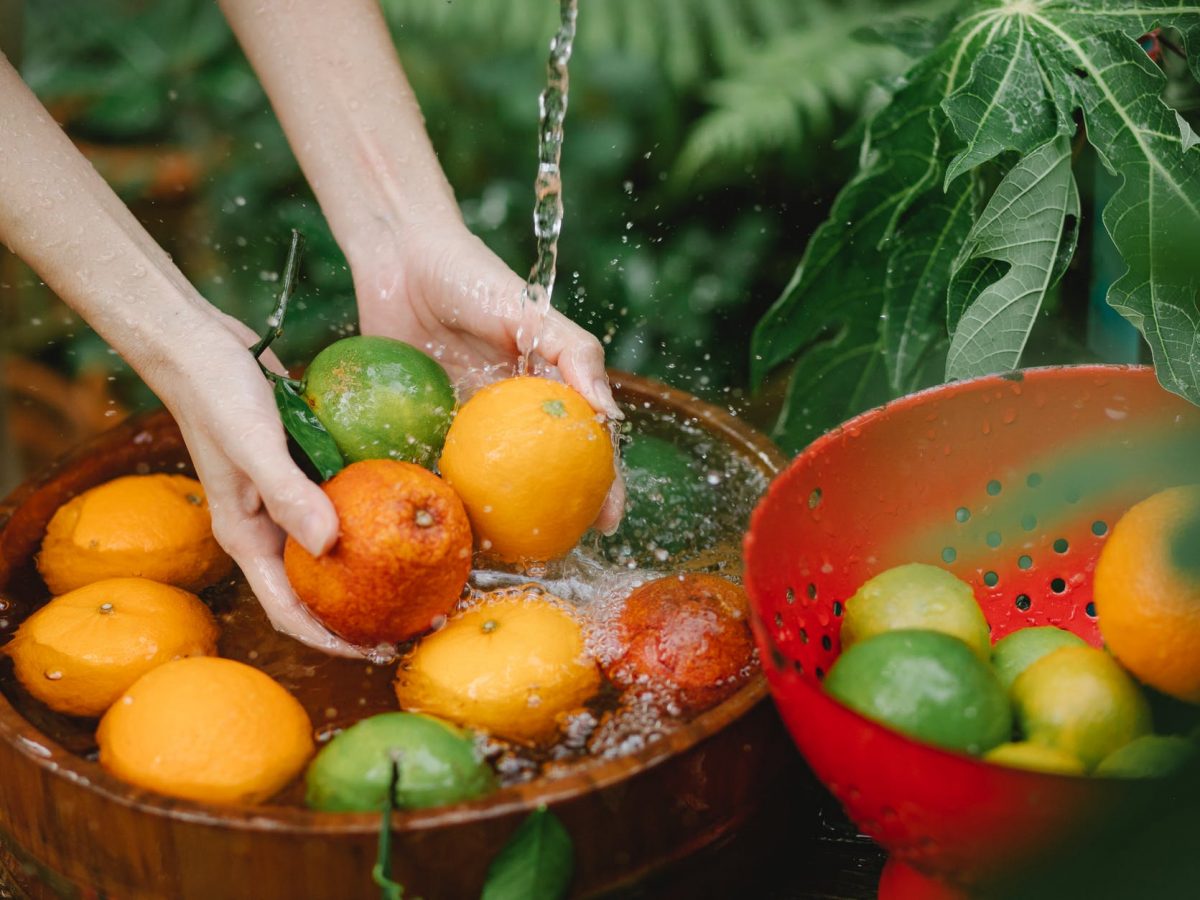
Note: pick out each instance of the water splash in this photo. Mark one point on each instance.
(547, 207)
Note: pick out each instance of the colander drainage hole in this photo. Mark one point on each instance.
(1099, 528)
(991, 579)
(838, 609)
(1025, 562)
(1058, 585)
(1062, 545)
(1034, 479)
(994, 487)
(811, 590)
(962, 514)
(1023, 602)
(814, 499)
(826, 642)
(993, 539)
(804, 635)
(789, 596)
(778, 621)
(1029, 521)
(1090, 609)
(820, 674)
(778, 659)
(797, 667)
(949, 554)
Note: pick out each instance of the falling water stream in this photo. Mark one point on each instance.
(547, 206)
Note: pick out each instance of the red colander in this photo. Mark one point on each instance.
(1010, 482)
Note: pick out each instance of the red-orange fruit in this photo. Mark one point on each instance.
(401, 559)
(686, 635)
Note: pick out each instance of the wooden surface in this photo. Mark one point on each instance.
(630, 816)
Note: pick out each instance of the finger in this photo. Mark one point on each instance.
(300, 507)
(579, 357)
(266, 577)
(609, 518)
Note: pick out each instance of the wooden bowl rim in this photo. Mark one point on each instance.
(58, 762)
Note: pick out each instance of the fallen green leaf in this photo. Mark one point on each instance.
(535, 864)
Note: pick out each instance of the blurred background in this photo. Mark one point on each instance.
(701, 152)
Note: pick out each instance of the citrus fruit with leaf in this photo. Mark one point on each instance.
(916, 596)
(1147, 592)
(148, 526)
(380, 398)
(79, 652)
(1035, 757)
(926, 684)
(401, 559)
(664, 503)
(1016, 652)
(438, 764)
(532, 463)
(687, 636)
(511, 666)
(207, 729)
(1149, 756)
(1079, 700)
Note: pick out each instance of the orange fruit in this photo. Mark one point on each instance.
(147, 526)
(401, 559)
(687, 636)
(1078, 700)
(79, 652)
(1147, 592)
(206, 729)
(532, 463)
(512, 666)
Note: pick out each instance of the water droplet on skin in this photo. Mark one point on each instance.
(54, 675)
(106, 609)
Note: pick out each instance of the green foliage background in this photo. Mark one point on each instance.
(698, 155)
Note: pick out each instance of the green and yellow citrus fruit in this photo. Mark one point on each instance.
(1080, 701)
(1035, 757)
(438, 764)
(380, 398)
(1150, 756)
(926, 684)
(916, 596)
(1016, 652)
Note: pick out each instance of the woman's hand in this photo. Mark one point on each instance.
(444, 291)
(226, 411)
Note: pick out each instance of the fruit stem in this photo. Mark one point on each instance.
(275, 321)
(381, 874)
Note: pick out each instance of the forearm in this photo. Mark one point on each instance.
(60, 216)
(336, 84)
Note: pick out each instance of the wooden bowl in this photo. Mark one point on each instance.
(76, 827)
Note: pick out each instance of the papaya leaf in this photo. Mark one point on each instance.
(535, 864)
(1025, 225)
(1004, 105)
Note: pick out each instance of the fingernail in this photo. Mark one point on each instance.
(314, 534)
(602, 393)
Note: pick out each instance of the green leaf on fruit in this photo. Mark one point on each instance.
(536, 864)
(304, 428)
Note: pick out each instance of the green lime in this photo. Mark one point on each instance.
(439, 764)
(1150, 756)
(916, 596)
(1016, 652)
(926, 684)
(381, 399)
(664, 503)
(1079, 700)
(1036, 757)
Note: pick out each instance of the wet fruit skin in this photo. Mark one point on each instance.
(510, 666)
(1150, 756)
(1147, 592)
(916, 596)
(439, 764)
(82, 650)
(401, 560)
(206, 729)
(1016, 652)
(688, 635)
(380, 398)
(532, 464)
(926, 684)
(146, 526)
(1078, 699)
(664, 505)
